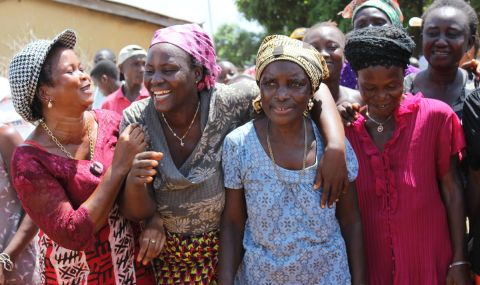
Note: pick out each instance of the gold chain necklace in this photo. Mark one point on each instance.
(380, 124)
(188, 130)
(304, 151)
(95, 167)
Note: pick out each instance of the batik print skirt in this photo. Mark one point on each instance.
(188, 259)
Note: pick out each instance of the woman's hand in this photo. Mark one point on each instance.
(349, 112)
(152, 240)
(130, 142)
(472, 66)
(459, 275)
(136, 201)
(143, 167)
(332, 175)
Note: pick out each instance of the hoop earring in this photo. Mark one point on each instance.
(310, 104)
(257, 105)
(309, 107)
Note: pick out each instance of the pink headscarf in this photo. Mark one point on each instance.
(192, 39)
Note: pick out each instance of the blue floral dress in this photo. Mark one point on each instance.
(288, 238)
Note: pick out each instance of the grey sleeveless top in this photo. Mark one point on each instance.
(191, 198)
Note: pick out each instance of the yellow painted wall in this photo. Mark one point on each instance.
(24, 20)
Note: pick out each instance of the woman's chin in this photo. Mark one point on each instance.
(285, 120)
(162, 108)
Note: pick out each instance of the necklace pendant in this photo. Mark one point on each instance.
(380, 128)
(181, 143)
(96, 168)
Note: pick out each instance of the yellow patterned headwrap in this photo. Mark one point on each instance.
(278, 47)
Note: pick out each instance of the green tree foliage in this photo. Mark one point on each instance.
(476, 6)
(283, 16)
(278, 17)
(237, 45)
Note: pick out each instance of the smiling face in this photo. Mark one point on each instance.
(381, 89)
(330, 42)
(170, 77)
(285, 90)
(370, 16)
(445, 37)
(70, 86)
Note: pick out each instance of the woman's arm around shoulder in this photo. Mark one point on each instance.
(348, 105)
(332, 170)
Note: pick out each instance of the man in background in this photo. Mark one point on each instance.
(131, 62)
(100, 55)
(106, 77)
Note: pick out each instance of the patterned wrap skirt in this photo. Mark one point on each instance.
(188, 259)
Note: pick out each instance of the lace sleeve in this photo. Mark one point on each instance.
(45, 200)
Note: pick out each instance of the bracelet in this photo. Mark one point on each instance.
(458, 263)
(6, 261)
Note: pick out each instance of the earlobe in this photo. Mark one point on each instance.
(198, 74)
(42, 94)
(44, 97)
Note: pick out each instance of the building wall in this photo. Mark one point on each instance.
(22, 21)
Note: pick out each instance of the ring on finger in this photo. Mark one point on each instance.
(152, 241)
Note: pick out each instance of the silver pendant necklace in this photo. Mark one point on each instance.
(380, 127)
(188, 130)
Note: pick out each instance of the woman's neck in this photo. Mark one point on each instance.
(182, 117)
(287, 132)
(441, 77)
(67, 129)
(131, 91)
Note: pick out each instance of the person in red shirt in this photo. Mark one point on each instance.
(408, 149)
(131, 62)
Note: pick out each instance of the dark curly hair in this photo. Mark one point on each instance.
(383, 45)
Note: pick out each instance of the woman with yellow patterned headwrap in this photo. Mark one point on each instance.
(269, 165)
(187, 118)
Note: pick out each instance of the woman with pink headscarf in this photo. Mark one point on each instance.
(179, 182)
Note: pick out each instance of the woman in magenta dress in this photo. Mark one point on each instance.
(407, 147)
(71, 168)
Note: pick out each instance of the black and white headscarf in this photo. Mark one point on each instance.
(25, 68)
